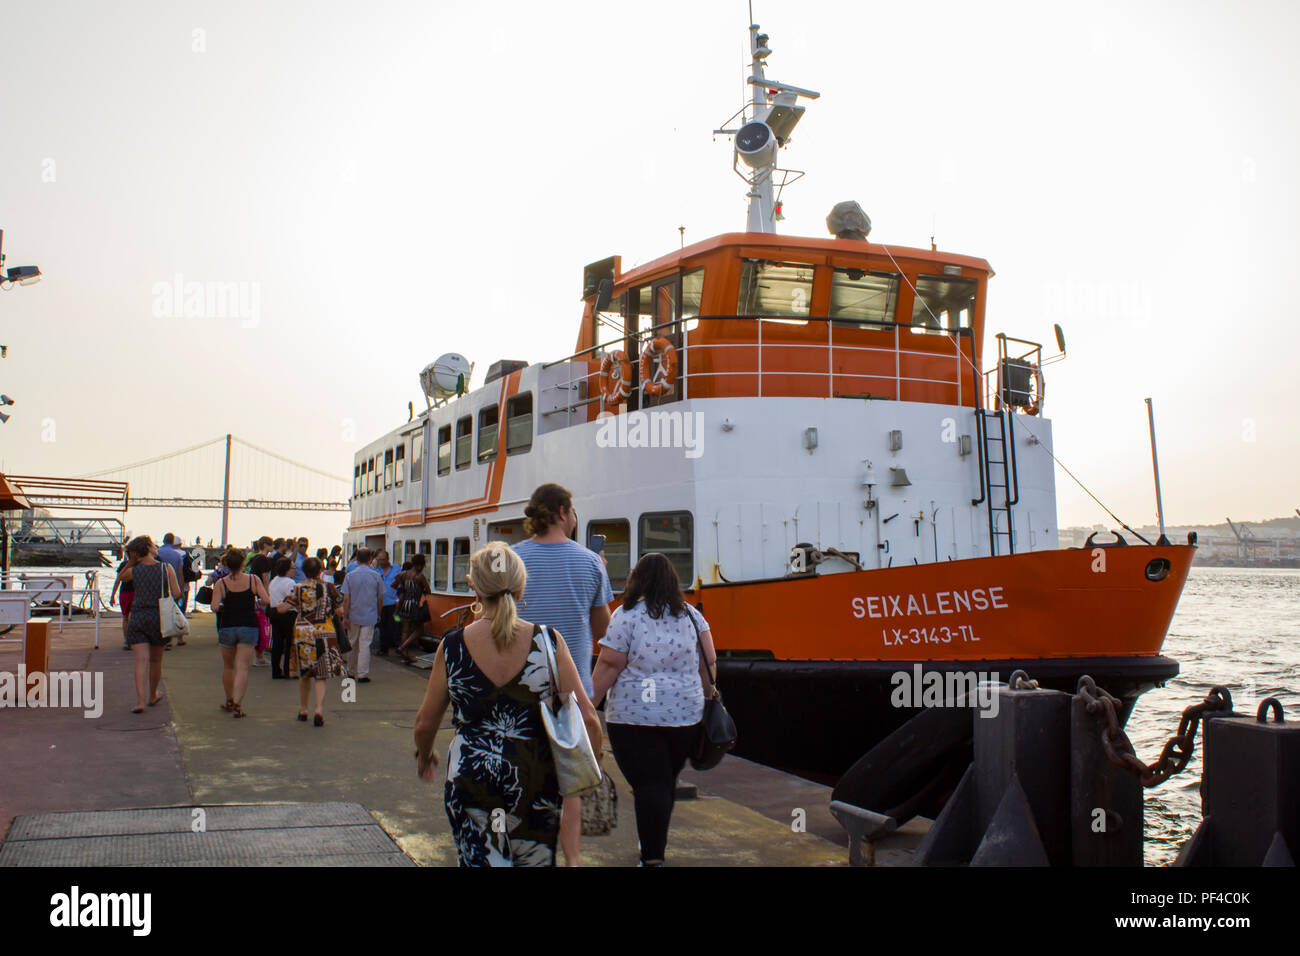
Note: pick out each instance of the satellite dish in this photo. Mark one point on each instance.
(447, 377)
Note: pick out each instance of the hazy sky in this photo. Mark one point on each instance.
(393, 180)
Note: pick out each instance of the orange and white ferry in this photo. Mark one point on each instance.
(803, 427)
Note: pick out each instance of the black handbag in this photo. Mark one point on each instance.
(204, 595)
(717, 733)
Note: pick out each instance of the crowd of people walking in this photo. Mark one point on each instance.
(540, 608)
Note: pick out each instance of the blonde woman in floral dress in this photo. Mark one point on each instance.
(315, 656)
(502, 794)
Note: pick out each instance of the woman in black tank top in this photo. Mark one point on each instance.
(235, 596)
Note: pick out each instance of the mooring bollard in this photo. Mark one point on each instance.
(1105, 801)
(1250, 792)
(1011, 807)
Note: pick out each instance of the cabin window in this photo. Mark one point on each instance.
(440, 565)
(444, 450)
(692, 295)
(399, 465)
(863, 298)
(508, 532)
(464, 439)
(943, 304)
(356, 481)
(669, 533)
(487, 433)
(417, 456)
(779, 289)
(394, 551)
(370, 476)
(618, 548)
(401, 559)
(519, 424)
(460, 564)
(609, 323)
(388, 469)
(425, 549)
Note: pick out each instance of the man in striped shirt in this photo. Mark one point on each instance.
(568, 591)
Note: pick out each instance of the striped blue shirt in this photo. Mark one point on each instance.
(565, 581)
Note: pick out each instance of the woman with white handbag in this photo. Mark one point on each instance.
(515, 755)
(144, 631)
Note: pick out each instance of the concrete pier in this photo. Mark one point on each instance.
(188, 753)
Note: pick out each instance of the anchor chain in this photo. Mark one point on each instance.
(1176, 753)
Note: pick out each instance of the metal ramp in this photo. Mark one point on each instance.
(287, 834)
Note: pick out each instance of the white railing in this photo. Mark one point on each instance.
(961, 358)
(44, 590)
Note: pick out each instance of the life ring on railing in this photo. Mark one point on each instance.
(615, 377)
(1037, 405)
(661, 353)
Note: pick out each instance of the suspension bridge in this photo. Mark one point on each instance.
(224, 472)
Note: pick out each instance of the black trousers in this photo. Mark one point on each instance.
(281, 641)
(389, 632)
(651, 758)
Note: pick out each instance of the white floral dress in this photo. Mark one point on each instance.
(502, 795)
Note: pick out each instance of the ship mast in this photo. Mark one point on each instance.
(772, 115)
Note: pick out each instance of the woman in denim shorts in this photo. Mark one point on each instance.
(235, 597)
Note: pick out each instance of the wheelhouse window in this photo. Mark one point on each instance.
(779, 289)
(417, 456)
(444, 450)
(399, 465)
(671, 534)
(943, 304)
(618, 548)
(863, 298)
(487, 433)
(464, 440)
(692, 296)
(459, 564)
(440, 565)
(388, 469)
(519, 424)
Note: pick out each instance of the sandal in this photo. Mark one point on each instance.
(238, 711)
(319, 721)
(154, 702)
(229, 705)
(302, 715)
(137, 709)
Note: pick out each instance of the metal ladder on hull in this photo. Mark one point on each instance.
(997, 460)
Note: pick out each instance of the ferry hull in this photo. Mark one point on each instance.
(808, 664)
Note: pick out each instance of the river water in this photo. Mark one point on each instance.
(1234, 626)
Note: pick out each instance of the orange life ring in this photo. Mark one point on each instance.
(615, 377)
(659, 351)
(1037, 406)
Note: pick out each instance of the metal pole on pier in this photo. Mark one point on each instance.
(225, 498)
(1155, 467)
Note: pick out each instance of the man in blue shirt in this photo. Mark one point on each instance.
(363, 596)
(568, 590)
(388, 636)
(298, 576)
(170, 554)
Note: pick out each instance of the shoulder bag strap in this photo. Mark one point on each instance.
(700, 644)
(549, 653)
